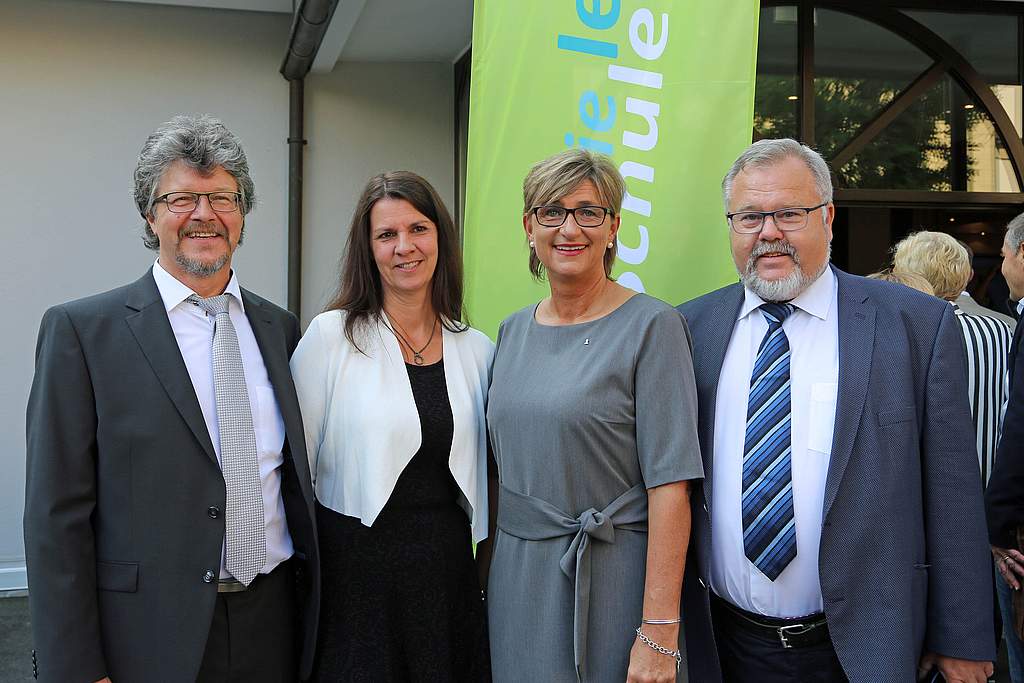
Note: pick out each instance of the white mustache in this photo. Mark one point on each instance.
(777, 247)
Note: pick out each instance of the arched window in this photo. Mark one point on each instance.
(917, 110)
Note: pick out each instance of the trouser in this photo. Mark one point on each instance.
(756, 654)
(1014, 647)
(252, 637)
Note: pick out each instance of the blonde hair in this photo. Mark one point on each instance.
(938, 257)
(907, 279)
(558, 175)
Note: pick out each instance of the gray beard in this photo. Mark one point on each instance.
(783, 289)
(200, 268)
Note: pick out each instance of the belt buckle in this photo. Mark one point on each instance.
(792, 630)
(231, 585)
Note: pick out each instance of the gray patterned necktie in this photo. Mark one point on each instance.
(245, 532)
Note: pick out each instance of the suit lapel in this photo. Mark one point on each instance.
(148, 322)
(856, 343)
(715, 343)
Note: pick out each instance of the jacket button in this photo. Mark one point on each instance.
(209, 576)
(213, 512)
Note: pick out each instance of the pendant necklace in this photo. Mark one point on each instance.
(417, 356)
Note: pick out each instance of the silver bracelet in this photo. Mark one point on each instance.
(674, 654)
(659, 622)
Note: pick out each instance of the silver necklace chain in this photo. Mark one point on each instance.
(417, 356)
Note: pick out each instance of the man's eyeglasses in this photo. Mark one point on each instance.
(186, 202)
(585, 216)
(786, 220)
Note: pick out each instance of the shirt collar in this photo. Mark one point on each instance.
(816, 299)
(1020, 308)
(173, 291)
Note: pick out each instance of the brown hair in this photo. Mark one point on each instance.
(558, 175)
(360, 293)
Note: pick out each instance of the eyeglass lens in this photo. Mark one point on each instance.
(186, 202)
(554, 216)
(785, 219)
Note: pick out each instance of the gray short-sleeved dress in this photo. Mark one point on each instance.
(583, 420)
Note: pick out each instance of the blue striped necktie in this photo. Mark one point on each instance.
(769, 528)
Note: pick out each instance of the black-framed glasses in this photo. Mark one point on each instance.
(787, 220)
(554, 216)
(186, 202)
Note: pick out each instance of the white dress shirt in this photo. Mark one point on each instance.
(813, 333)
(1006, 377)
(362, 425)
(193, 330)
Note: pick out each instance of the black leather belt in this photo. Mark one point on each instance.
(791, 633)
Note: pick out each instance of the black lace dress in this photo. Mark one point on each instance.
(401, 599)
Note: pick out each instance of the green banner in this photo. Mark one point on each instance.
(666, 87)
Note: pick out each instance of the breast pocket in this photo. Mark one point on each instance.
(822, 417)
(905, 414)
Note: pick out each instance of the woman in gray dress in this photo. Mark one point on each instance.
(592, 415)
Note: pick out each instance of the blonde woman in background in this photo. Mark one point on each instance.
(912, 280)
(941, 260)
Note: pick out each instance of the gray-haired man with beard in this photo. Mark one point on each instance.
(169, 524)
(839, 534)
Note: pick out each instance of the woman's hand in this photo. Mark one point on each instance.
(647, 665)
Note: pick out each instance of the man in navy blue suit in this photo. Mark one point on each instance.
(840, 533)
(1005, 496)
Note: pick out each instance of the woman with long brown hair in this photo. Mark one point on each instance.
(391, 384)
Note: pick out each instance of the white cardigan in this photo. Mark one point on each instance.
(362, 426)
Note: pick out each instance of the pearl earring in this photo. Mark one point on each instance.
(531, 245)
(610, 244)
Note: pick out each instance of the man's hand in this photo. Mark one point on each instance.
(1010, 563)
(955, 670)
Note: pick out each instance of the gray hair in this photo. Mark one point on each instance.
(1015, 233)
(770, 152)
(202, 142)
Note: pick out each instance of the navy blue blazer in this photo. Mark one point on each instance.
(904, 564)
(1004, 497)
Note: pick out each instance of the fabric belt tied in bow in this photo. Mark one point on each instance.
(533, 519)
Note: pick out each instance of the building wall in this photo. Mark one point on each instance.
(362, 119)
(85, 81)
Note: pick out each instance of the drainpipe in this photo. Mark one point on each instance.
(296, 141)
(312, 17)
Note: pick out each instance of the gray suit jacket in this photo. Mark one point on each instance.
(121, 473)
(968, 305)
(904, 565)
